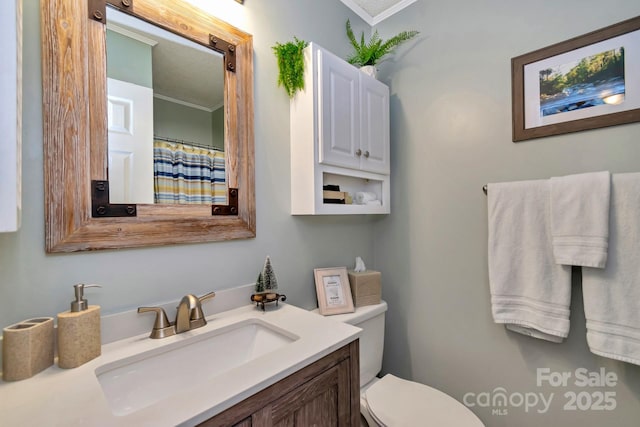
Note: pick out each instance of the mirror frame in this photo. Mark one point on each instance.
(75, 132)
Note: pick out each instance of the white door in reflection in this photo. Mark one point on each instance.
(130, 125)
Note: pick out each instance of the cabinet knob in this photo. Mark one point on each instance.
(358, 152)
(366, 154)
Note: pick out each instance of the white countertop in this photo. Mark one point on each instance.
(74, 397)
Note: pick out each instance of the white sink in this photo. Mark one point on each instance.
(136, 382)
(182, 380)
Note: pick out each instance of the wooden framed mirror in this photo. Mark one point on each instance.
(76, 137)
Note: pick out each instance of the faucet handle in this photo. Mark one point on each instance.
(197, 315)
(162, 327)
(205, 297)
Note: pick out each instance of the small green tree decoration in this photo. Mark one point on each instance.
(259, 284)
(269, 276)
(291, 65)
(266, 287)
(371, 53)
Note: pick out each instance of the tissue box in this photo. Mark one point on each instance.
(366, 288)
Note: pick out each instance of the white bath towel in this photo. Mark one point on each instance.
(612, 295)
(530, 293)
(580, 218)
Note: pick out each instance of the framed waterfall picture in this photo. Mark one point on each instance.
(587, 82)
(334, 292)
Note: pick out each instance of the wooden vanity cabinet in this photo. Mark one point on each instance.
(325, 393)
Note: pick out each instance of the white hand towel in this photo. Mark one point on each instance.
(530, 293)
(612, 295)
(363, 197)
(580, 218)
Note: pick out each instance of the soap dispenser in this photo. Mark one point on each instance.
(79, 331)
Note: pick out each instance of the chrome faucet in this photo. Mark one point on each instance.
(188, 316)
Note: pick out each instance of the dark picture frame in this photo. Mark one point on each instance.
(558, 89)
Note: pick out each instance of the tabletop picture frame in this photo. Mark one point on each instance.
(333, 290)
(583, 83)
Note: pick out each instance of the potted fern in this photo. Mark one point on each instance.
(290, 65)
(367, 55)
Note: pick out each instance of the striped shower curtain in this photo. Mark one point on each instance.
(186, 174)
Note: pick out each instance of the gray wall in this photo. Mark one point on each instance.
(217, 128)
(451, 134)
(129, 60)
(173, 120)
(36, 284)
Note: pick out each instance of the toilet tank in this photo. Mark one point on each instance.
(370, 318)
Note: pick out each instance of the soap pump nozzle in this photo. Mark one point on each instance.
(80, 304)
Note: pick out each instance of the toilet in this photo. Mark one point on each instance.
(392, 401)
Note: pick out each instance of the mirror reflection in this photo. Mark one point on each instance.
(165, 116)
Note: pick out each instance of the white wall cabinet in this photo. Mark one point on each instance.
(339, 136)
(10, 114)
(354, 116)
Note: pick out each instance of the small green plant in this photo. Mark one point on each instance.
(266, 281)
(269, 277)
(371, 53)
(260, 284)
(291, 65)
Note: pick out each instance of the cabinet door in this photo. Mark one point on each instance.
(338, 111)
(374, 125)
(10, 114)
(323, 394)
(324, 401)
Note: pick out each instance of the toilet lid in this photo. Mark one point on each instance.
(395, 402)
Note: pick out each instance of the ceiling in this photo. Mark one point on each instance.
(178, 70)
(375, 11)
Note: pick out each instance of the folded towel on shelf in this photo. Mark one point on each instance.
(530, 293)
(580, 218)
(363, 197)
(612, 295)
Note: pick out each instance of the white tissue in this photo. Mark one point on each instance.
(363, 197)
(359, 265)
